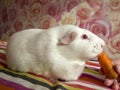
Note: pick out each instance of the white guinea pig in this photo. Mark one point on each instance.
(59, 52)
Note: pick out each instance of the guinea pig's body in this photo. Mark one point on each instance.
(57, 53)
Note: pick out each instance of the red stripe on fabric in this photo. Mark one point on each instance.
(93, 64)
(3, 64)
(92, 80)
(2, 56)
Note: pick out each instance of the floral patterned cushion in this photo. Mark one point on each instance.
(99, 16)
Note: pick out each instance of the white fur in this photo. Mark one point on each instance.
(38, 51)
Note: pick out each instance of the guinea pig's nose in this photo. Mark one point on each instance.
(102, 46)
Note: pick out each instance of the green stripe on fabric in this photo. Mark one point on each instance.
(2, 51)
(37, 80)
(25, 78)
(91, 71)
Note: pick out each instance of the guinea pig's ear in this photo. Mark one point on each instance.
(68, 38)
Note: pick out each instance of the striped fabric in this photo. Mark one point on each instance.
(11, 80)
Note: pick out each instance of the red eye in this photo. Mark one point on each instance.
(84, 36)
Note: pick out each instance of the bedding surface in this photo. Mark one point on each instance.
(11, 80)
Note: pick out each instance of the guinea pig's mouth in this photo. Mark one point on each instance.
(95, 54)
(94, 58)
(97, 51)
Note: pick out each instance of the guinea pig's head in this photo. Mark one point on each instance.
(83, 43)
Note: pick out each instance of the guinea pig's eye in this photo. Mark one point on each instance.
(84, 36)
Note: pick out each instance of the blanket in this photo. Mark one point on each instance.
(90, 79)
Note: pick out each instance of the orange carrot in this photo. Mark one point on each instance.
(107, 66)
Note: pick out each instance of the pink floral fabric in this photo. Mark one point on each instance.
(99, 16)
